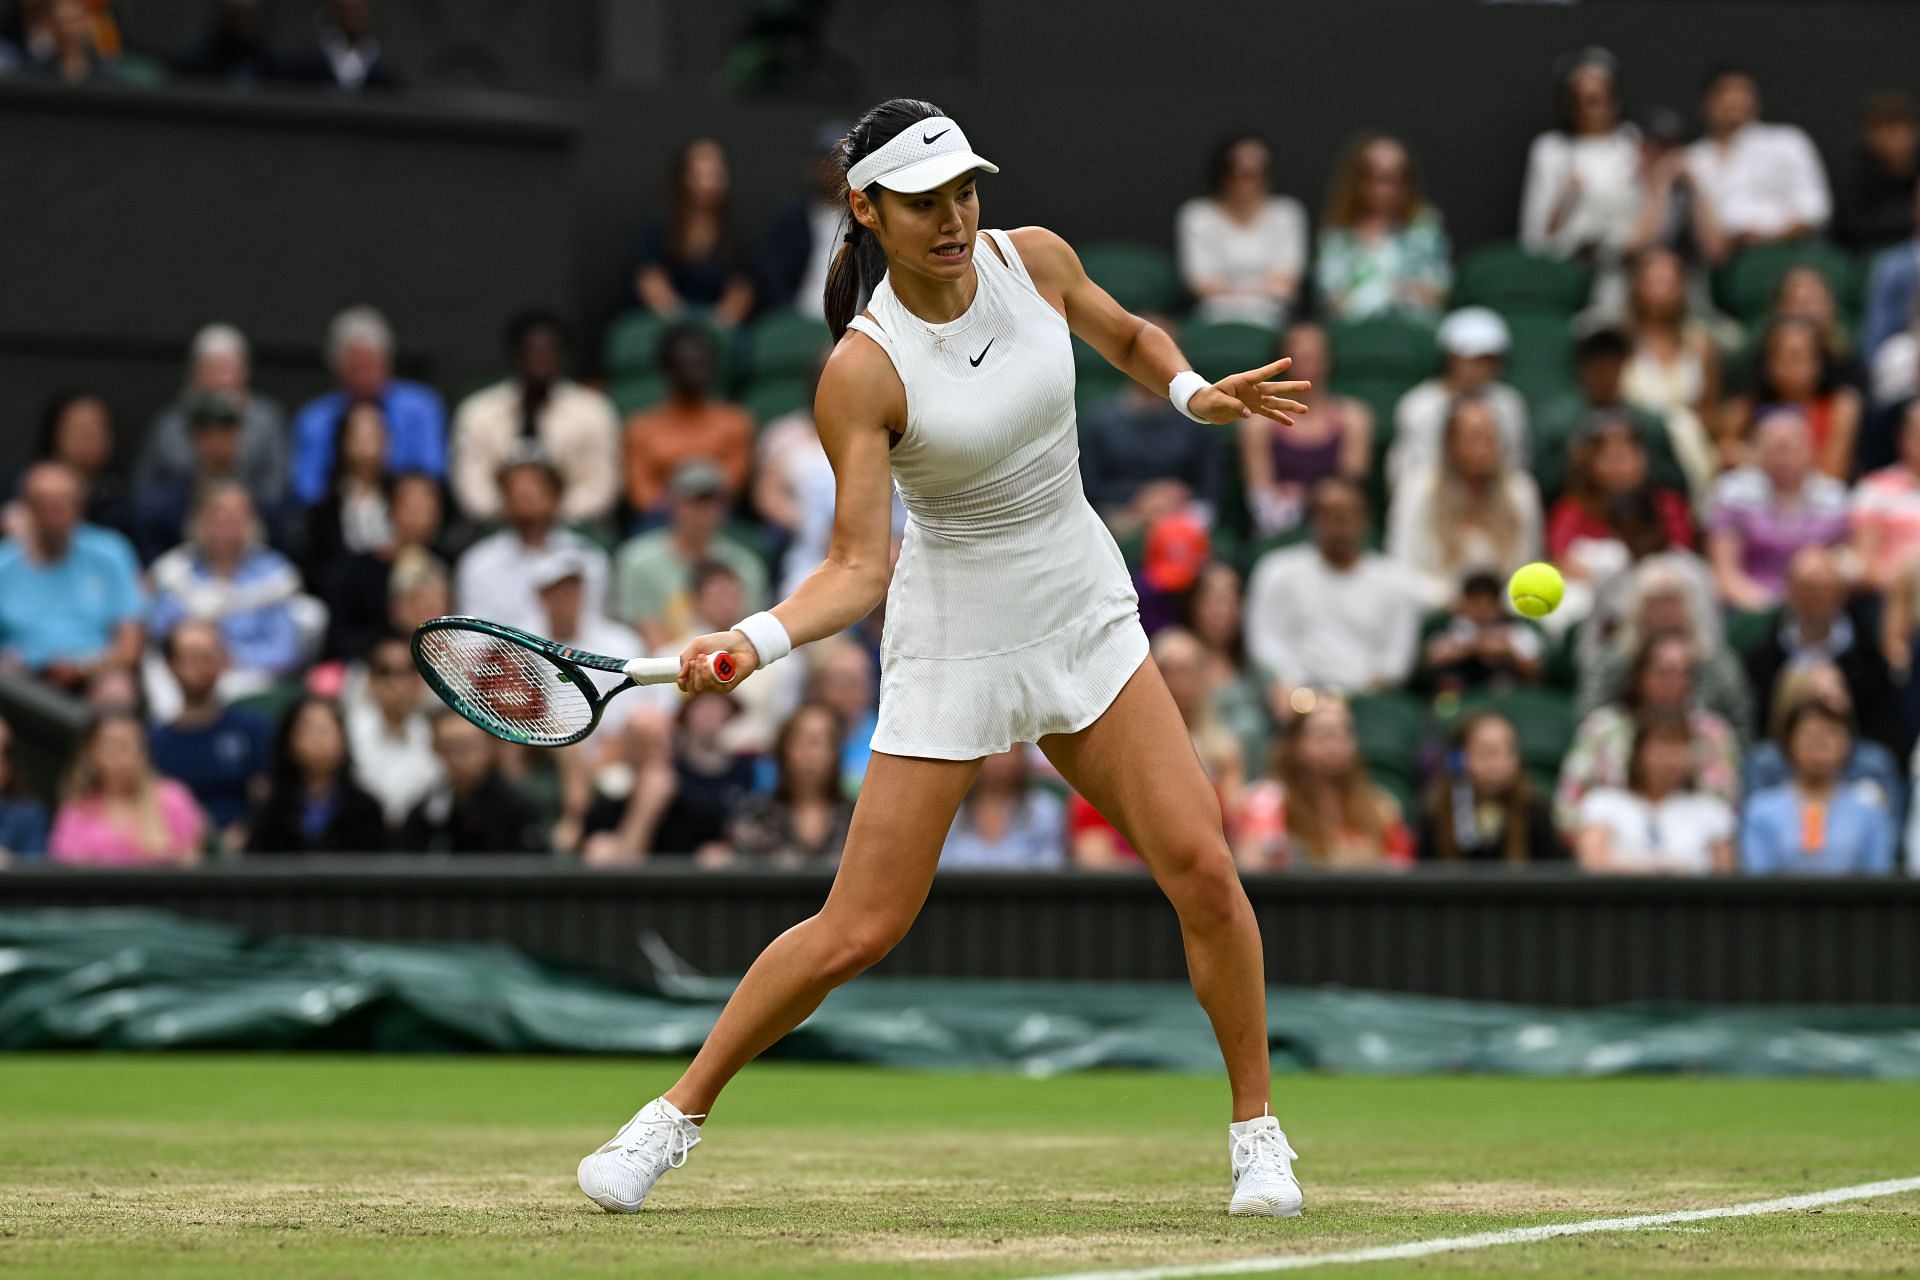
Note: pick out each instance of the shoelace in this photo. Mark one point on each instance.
(679, 1144)
(1261, 1144)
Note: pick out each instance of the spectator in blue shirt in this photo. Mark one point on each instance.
(23, 819)
(1891, 289)
(225, 574)
(1870, 771)
(1005, 823)
(360, 351)
(70, 600)
(219, 753)
(1816, 824)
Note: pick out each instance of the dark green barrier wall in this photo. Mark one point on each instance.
(1546, 939)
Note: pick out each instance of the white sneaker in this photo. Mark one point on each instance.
(619, 1175)
(1263, 1181)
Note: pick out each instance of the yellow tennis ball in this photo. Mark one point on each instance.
(1536, 589)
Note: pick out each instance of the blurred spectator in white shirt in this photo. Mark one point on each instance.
(1765, 182)
(390, 736)
(495, 577)
(1583, 179)
(1243, 249)
(575, 426)
(1474, 341)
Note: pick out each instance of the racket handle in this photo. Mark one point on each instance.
(667, 670)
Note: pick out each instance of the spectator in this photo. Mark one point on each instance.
(1895, 377)
(1661, 683)
(78, 431)
(690, 426)
(389, 735)
(1006, 823)
(1283, 462)
(342, 53)
(1885, 513)
(805, 232)
(312, 803)
(1816, 825)
(1331, 614)
(233, 49)
(1796, 370)
(1869, 770)
(1480, 643)
(1319, 808)
(68, 50)
(1213, 616)
(1141, 459)
(1818, 626)
(418, 589)
(70, 603)
(1661, 821)
(356, 586)
(1182, 661)
(218, 752)
(495, 576)
(1583, 179)
(714, 779)
(1804, 294)
(574, 425)
(1609, 471)
(1382, 248)
(1482, 807)
(1474, 341)
(475, 808)
(1243, 249)
(1893, 288)
(841, 678)
(1764, 512)
(1665, 600)
(1763, 182)
(1876, 206)
(1672, 217)
(224, 574)
(1662, 591)
(354, 518)
(215, 429)
(720, 600)
(654, 571)
(1599, 369)
(117, 811)
(23, 819)
(1673, 366)
(1093, 843)
(1175, 548)
(804, 819)
(689, 259)
(645, 809)
(360, 353)
(1468, 511)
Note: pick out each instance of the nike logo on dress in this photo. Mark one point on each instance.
(935, 138)
(975, 360)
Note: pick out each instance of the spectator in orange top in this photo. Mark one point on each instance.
(1796, 368)
(1609, 470)
(690, 424)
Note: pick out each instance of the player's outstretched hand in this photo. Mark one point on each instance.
(697, 676)
(1245, 394)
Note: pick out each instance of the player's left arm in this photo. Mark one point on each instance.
(1140, 349)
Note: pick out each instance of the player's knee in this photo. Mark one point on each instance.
(853, 949)
(1204, 888)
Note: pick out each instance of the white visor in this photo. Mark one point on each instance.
(919, 158)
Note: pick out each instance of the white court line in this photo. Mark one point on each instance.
(1488, 1239)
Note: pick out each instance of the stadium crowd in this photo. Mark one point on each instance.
(1691, 383)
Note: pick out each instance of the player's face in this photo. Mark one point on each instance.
(931, 232)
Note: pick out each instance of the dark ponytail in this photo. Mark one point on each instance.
(859, 264)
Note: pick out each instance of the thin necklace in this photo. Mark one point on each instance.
(940, 339)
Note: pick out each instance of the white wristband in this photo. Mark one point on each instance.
(768, 638)
(1183, 388)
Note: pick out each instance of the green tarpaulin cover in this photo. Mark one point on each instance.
(137, 980)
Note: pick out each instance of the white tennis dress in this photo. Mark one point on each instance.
(1011, 614)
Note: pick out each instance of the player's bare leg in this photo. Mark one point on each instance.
(1137, 765)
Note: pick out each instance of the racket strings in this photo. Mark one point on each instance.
(505, 688)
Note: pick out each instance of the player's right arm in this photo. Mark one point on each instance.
(859, 406)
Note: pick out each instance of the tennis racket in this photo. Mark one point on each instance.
(525, 688)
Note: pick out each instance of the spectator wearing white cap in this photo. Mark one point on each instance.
(653, 572)
(495, 576)
(1474, 341)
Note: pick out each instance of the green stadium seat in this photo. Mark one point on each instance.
(1141, 277)
(1391, 729)
(1543, 720)
(1508, 278)
(1745, 287)
(1381, 395)
(1385, 347)
(637, 391)
(788, 345)
(1221, 348)
(770, 398)
(1540, 362)
(1088, 363)
(632, 342)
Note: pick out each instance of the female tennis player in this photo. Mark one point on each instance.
(1010, 618)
